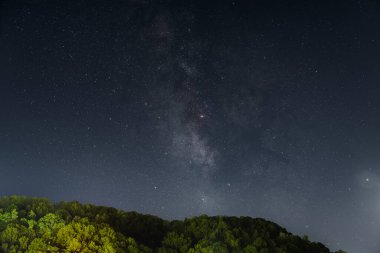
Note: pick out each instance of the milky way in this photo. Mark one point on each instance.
(180, 108)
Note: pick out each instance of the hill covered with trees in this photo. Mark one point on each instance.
(37, 225)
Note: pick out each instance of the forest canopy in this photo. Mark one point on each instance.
(38, 225)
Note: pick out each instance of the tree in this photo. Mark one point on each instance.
(175, 243)
(36, 225)
(82, 236)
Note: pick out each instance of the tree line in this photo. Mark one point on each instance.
(36, 225)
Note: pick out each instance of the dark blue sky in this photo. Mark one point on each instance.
(178, 108)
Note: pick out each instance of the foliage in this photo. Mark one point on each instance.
(37, 225)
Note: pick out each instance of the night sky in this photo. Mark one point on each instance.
(179, 108)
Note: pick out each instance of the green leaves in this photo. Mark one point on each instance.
(81, 235)
(51, 234)
(8, 216)
(175, 243)
(36, 225)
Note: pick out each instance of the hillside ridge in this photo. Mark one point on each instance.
(33, 225)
